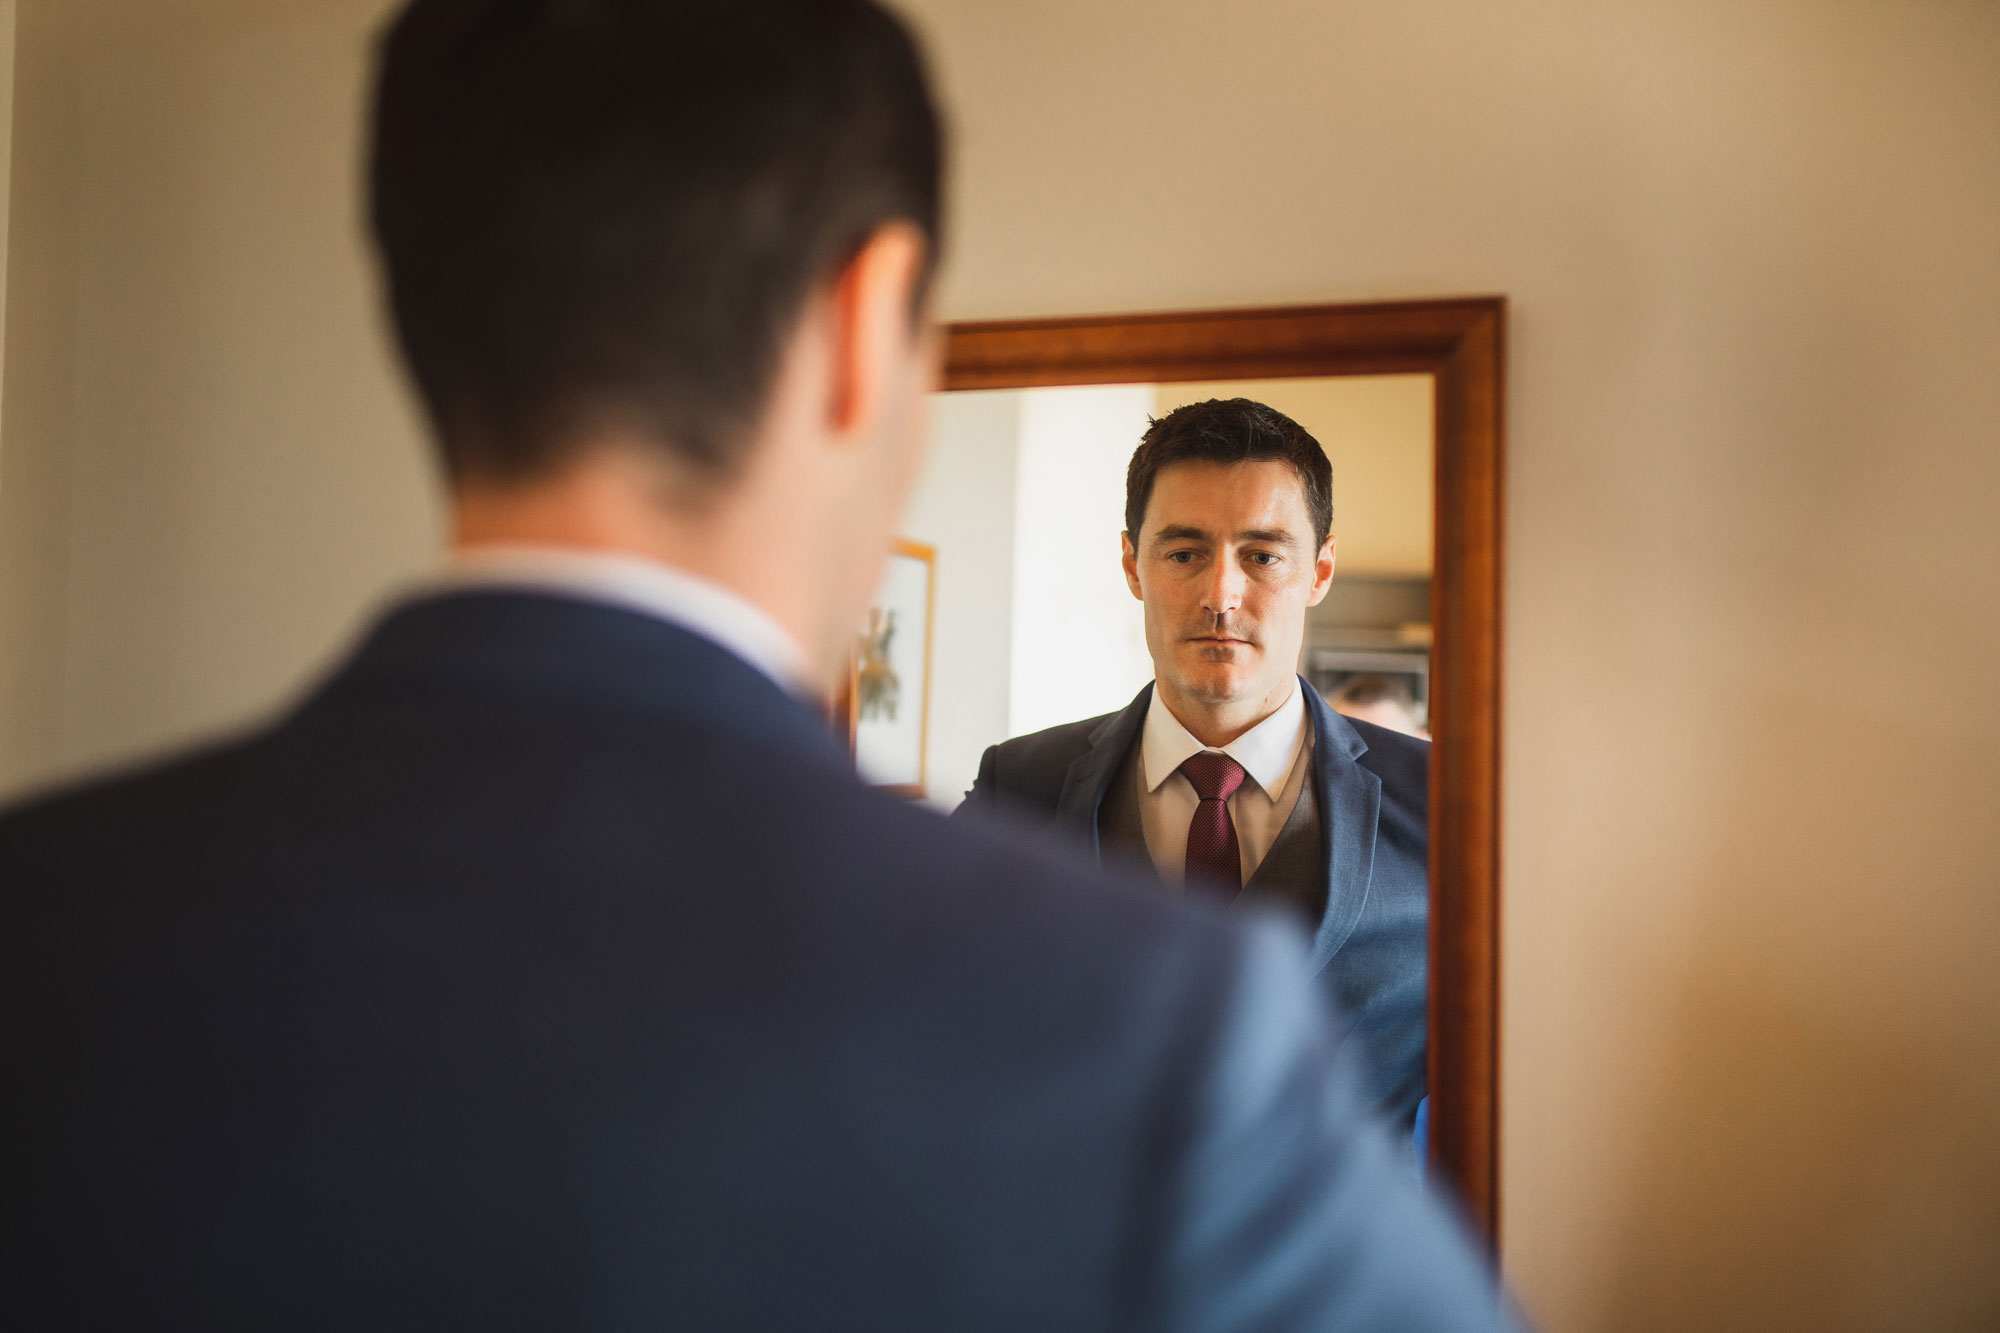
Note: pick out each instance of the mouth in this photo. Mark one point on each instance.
(1220, 639)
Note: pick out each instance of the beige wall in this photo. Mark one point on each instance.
(207, 468)
(1752, 1019)
(6, 156)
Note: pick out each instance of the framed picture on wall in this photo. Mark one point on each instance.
(887, 699)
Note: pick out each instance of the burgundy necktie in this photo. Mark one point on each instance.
(1211, 844)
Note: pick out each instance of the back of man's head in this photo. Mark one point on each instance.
(603, 216)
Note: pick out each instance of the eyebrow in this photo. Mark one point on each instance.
(1181, 532)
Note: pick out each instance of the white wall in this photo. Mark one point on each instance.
(963, 505)
(1079, 635)
(1751, 1016)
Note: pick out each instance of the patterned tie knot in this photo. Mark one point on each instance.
(1215, 776)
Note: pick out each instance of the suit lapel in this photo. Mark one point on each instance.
(1349, 796)
(1350, 803)
(1090, 773)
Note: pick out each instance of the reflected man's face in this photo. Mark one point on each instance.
(1226, 564)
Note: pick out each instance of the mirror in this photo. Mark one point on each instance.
(1007, 611)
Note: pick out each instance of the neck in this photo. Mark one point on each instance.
(1215, 723)
(615, 504)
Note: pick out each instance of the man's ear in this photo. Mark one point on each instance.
(1322, 574)
(874, 325)
(1131, 563)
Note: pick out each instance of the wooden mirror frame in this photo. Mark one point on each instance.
(1461, 344)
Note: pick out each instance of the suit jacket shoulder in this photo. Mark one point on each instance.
(1026, 774)
(1400, 760)
(476, 988)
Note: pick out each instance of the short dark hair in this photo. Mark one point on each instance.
(1229, 430)
(610, 213)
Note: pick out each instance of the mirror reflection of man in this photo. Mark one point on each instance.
(1229, 773)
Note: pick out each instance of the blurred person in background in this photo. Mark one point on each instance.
(1382, 700)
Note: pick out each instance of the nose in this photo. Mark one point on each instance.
(1224, 593)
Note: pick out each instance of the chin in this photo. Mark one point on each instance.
(1213, 684)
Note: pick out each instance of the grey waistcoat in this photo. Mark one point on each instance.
(1293, 872)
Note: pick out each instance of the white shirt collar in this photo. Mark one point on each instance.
(1267, 751)
(635, 584)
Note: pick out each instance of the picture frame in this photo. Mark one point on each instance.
(884, 704)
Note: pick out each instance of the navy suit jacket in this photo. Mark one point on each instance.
(1371, 942)
(549, 967)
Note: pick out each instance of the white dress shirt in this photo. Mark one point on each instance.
(1270, 754)
(694, 604)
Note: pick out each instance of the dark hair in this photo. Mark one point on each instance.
(1229, 430)
(610, 213)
